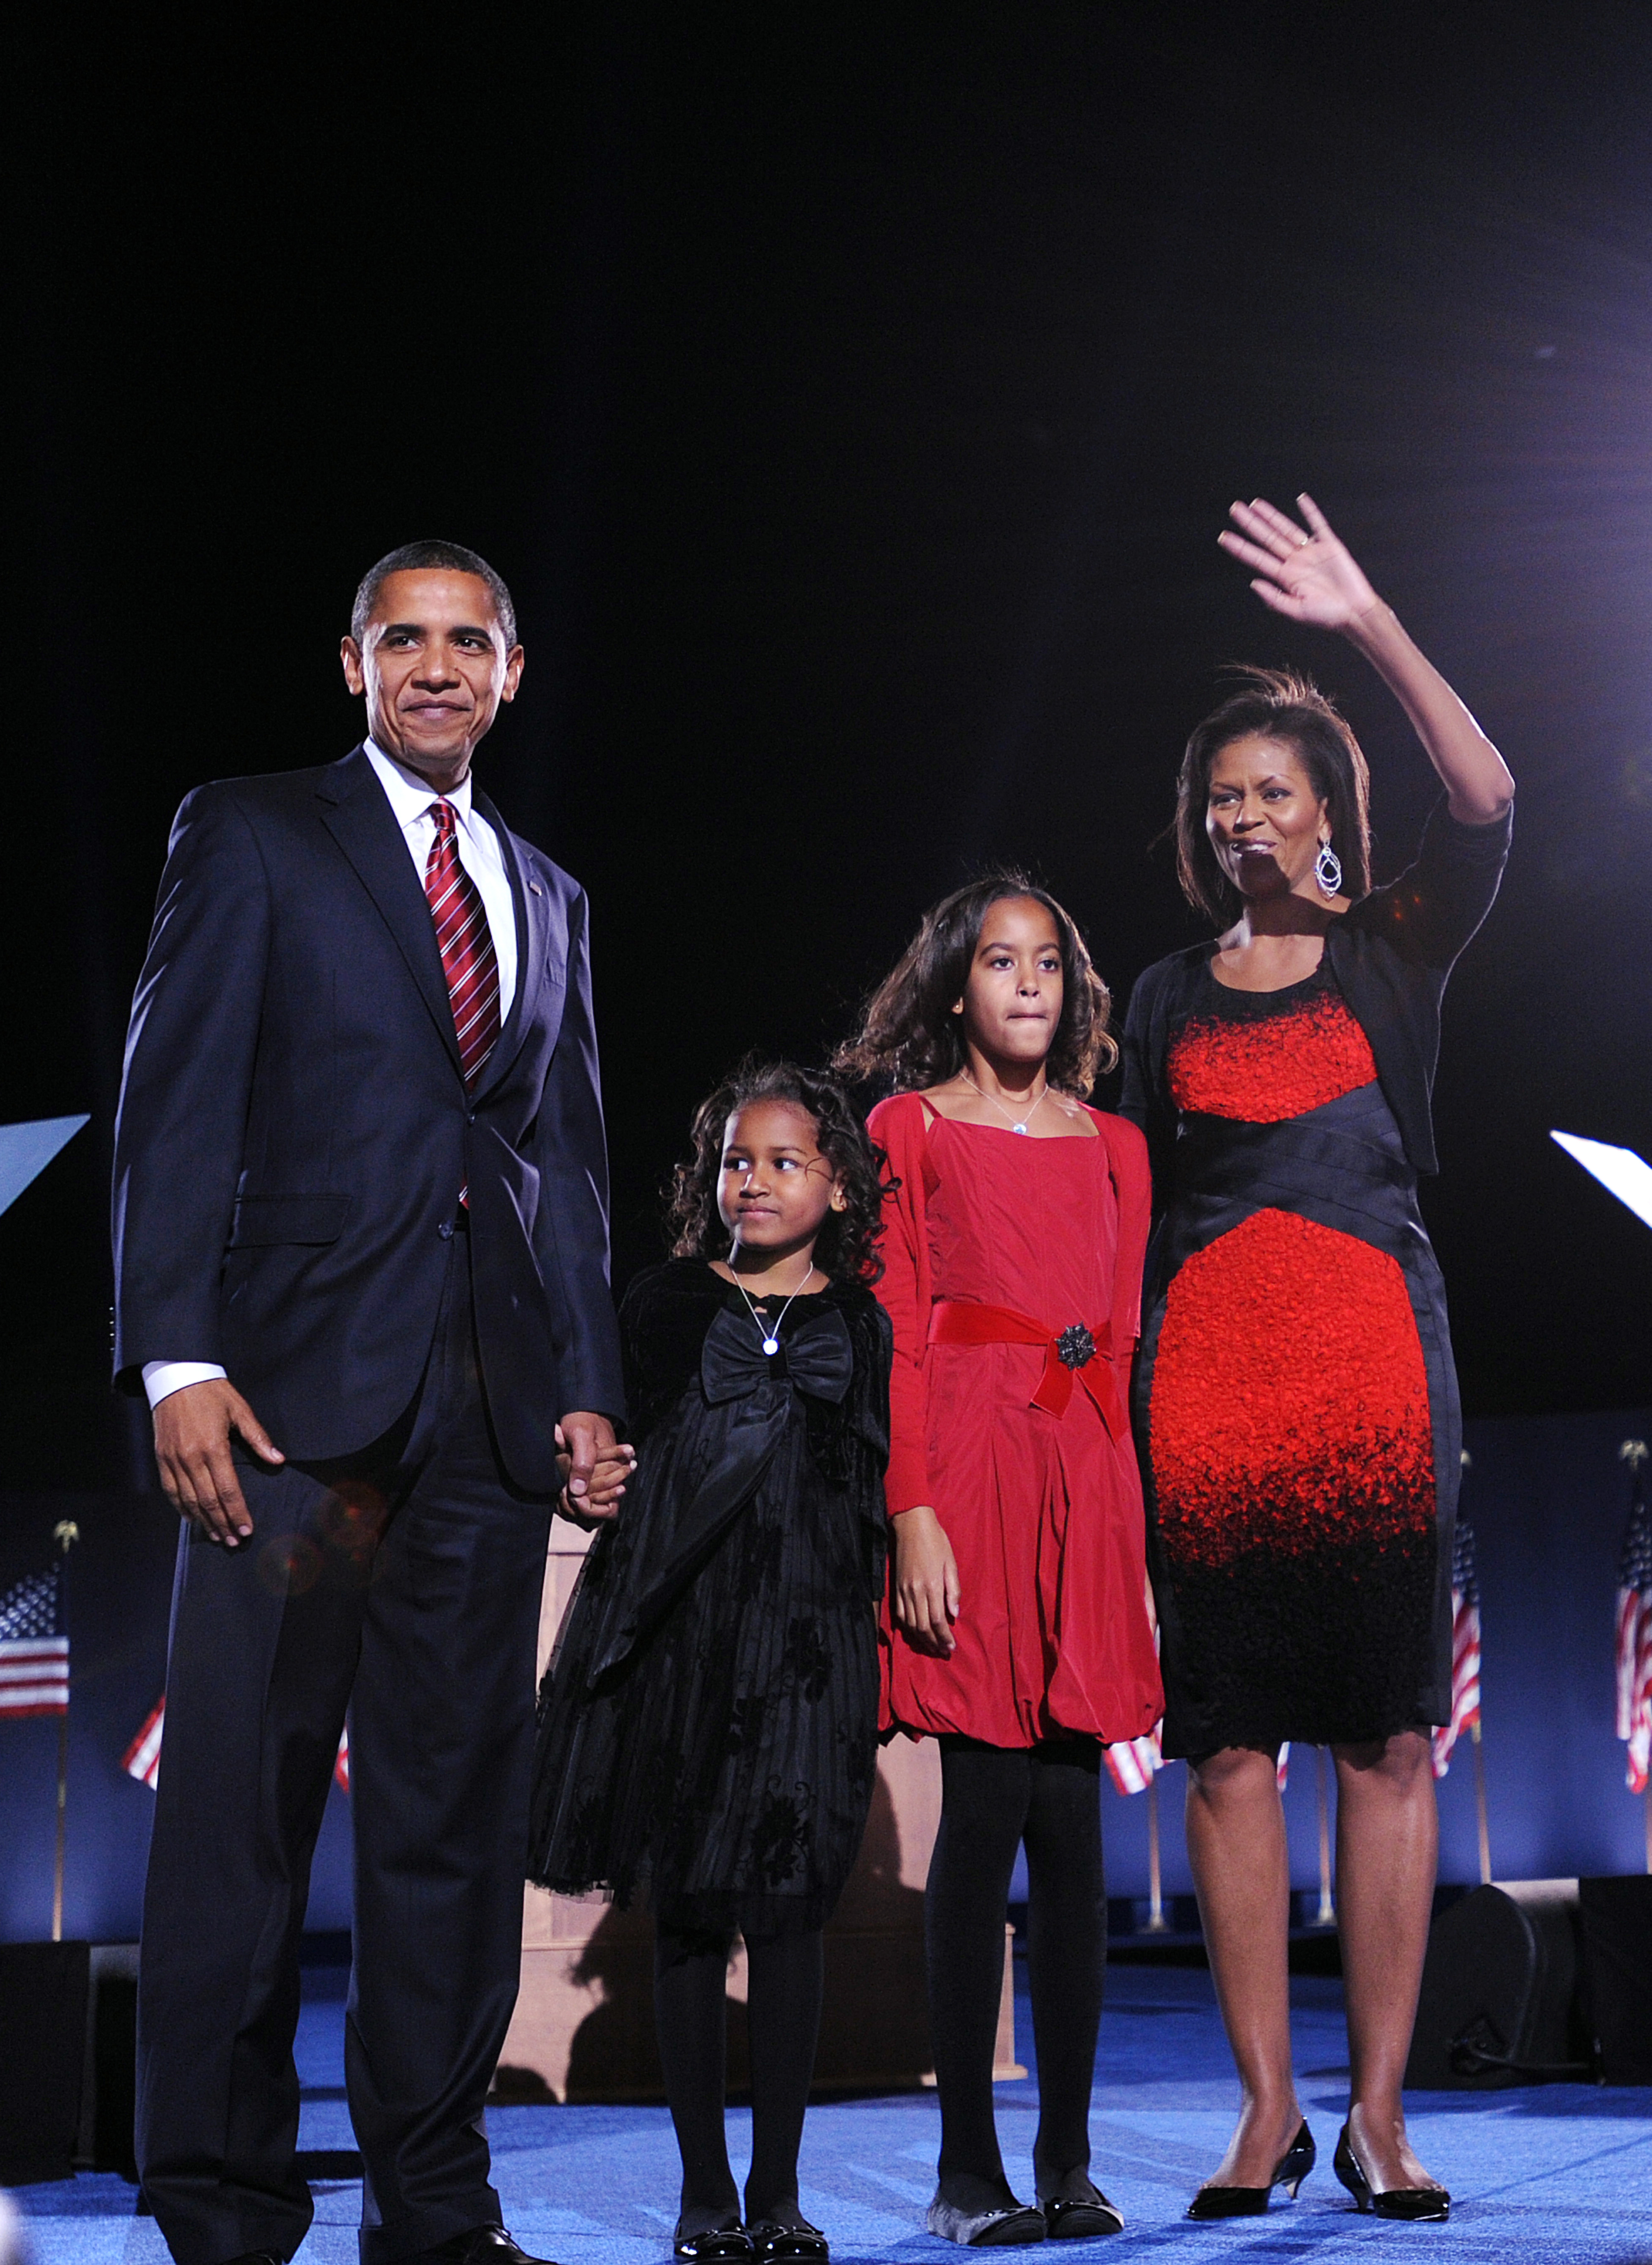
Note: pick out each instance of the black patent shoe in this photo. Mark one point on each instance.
(715, 2244)
(484, 2245)
(1417, 2205)
(796, 2244)
(1289, 2172)
(1081, 2217)
(1012, 2227)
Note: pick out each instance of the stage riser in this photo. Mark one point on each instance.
(43, 1991)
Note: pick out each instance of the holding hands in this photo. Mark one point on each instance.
(595, 1467)
(1309, 575)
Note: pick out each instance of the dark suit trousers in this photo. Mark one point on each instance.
(404, 1585)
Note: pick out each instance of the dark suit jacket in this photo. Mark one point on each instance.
(294, 1129)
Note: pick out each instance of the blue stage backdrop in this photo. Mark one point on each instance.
(1547, 1496)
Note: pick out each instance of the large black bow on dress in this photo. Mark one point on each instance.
(817, 1358)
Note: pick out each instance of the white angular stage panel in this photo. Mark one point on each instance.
(25, 1150)
(1619, 1171)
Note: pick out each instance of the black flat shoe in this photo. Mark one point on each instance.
(1417, 2205)
(1012, 2227)
(1086, 2218)
(717, 2245)
(1250, 2202)
(801, 2244)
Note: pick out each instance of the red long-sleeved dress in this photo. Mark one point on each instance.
(1004, 1255)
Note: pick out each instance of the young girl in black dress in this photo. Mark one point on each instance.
(709, 1724)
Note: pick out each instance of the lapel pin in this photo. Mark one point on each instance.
(535, 889)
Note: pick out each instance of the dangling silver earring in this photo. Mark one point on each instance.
(1328, 869)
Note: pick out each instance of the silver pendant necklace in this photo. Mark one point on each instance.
(770, 1332)
(1014, 1127)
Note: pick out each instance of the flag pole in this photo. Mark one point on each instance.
(66, 1534)
(1156, 1921)
(1327, 1914)
(1479, 1809)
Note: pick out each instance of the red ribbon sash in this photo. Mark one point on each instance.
(955, 1322)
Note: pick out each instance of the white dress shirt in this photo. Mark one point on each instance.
(411, 801)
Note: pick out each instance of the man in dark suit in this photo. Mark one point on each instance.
(360, 1241)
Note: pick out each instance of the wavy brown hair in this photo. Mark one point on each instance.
(847, 1246)
(1273, 703)
(910, 1035)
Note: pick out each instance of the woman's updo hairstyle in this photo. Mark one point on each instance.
(911, 1037)
(1273, 703)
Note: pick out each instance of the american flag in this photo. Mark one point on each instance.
(1464, 1649)
(1134, 1765)
(33, 1649)
(1634, 1624)
(142, 1758)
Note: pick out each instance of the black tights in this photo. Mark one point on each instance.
(994, 1798)
(783, 2012)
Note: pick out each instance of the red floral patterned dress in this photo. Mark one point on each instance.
(1295, 1361)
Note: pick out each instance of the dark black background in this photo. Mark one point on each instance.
(852, 400)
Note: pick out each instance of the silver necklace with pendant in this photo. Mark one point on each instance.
(1014, 1127)
(770, 1333)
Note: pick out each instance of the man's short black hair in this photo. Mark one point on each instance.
(408, 560)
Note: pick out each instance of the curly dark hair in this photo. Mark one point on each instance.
(910, 1035)
(846, 1248)
(1275, 704)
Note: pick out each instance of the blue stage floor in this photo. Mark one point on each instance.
(1561, 2173)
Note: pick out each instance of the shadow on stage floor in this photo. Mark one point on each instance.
(1559, 2174)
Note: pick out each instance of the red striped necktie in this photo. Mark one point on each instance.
(468, 957)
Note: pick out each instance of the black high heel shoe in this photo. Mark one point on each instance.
(1419, 2205)
(1289, 2172)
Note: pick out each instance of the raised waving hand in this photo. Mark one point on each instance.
(1308, 573)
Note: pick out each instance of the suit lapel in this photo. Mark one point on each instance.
(357, 815)
(532, 943)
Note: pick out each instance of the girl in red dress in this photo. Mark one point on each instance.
(1018, 1629)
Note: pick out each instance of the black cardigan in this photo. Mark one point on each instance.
(1390, 952)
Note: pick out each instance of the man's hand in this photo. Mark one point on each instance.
(193, 1429)
(589, 1440)
(608, 1486)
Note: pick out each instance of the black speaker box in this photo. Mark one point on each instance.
(42, 2058)
(109, 2093)
(1617, 1916)
(1499, 2003)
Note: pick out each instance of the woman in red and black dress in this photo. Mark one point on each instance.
(1018, 1631)
(1295, 1396)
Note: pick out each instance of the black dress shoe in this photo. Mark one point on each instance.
(713, 2245)
(1013, 2225)
(798, 2244)
(1418, 2205)
(484, 2245)
(1083, 2217)
(1250, 2202)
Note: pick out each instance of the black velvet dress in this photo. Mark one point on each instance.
(709, 1723)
